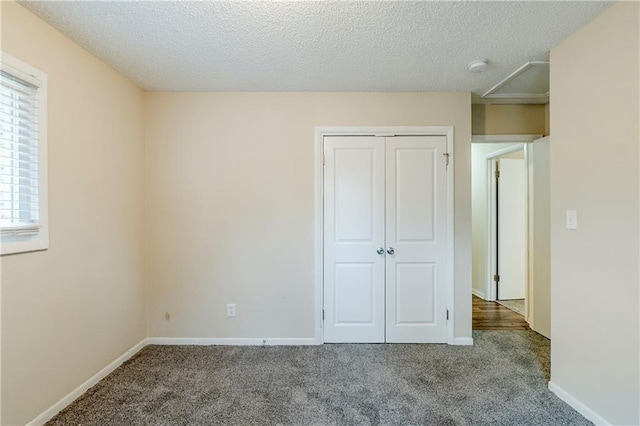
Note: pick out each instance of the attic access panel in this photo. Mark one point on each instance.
(530, 82)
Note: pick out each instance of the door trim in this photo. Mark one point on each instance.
(320, 133)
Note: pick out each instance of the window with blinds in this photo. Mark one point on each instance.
(21, 162)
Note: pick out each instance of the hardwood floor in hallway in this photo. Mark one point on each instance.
(493, 316)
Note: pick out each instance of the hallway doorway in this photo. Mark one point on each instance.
(486, 270)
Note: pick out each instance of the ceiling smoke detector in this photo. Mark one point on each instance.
(477, 66)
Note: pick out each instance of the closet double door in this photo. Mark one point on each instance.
(385, 239)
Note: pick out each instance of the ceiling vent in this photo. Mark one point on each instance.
(527, 84)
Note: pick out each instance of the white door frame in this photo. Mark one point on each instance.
(490, 289)
(321, 132)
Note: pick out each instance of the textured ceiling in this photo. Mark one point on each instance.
(316, 46)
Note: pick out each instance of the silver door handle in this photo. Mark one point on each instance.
(380, 250)
(390, 250)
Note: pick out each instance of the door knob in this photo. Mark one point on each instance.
(390, 250)
(380, 250)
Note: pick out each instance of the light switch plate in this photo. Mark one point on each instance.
(231, 310)
(571, 219)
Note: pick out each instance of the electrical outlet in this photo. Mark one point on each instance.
(231, 310)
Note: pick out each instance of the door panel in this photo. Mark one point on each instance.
(354, 291)
(354, 186)
(353, 230)
(414, 289)
(416, 217)
(512, 229)
(414, 209)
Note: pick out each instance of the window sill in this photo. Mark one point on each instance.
(38, 243)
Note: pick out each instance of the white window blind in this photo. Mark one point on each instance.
(19, 177)
(24, 222)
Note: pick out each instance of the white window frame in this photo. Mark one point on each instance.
(12, 244)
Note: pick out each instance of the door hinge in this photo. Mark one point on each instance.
(496, 277)
(447, 315)
(323, 315)
(497, 174)
(446, 158)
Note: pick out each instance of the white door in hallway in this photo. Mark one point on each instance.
(512, 229)
(385, 239)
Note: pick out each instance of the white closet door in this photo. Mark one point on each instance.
(416, 230)
(353, 231)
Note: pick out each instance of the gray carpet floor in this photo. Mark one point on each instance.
(501, 380)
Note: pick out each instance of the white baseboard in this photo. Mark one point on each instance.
(233, 341)
(577, 405)
(478, 293)
(463, 341)
(60, 405)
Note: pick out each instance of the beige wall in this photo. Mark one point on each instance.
(508, 119)
(231, 204)
(539, 244)
(595, 170)
(69, 311)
